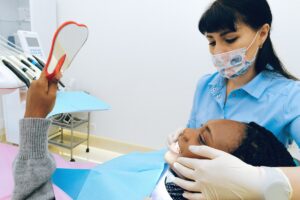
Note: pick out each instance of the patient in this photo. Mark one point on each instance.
(250, 142)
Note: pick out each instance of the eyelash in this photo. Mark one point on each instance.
(212, 43)
(202, 139)
(229, 41)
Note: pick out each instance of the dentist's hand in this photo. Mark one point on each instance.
(172, 140)
(227, 177)
(41, 97)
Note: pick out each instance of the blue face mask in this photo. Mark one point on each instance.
(233, 63)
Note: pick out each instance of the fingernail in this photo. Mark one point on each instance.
(184, 195)
(175, 165)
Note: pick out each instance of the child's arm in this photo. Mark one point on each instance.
(33, 165)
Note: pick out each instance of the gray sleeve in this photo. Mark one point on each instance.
(34, 165)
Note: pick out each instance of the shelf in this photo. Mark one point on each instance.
(77, 122)
(66, 142)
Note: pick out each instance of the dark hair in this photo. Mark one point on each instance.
(224, 15)
(261, 148)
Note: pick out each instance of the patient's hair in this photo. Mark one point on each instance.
(260, 147)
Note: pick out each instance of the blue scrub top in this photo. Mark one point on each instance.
(269, 99)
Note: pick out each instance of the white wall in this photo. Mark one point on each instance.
(37, 10)
(144, 58)
(286, 33)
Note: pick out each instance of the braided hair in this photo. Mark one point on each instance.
(260, 147)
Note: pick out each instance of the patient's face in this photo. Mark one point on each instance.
(225, 135)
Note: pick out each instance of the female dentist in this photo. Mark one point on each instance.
(251, 85)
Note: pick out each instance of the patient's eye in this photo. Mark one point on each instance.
(202, 139)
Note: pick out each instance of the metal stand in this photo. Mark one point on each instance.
(70, 141)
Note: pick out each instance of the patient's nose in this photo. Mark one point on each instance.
(185, 138)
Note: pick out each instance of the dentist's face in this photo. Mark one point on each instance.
(225, 135)
(228, 40)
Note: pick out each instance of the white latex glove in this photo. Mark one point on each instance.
(172, 140)
(227, 177)
(171, 157)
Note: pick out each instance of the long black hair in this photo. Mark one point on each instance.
(225, 14)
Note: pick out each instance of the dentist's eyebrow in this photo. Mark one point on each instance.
(225, 32)
(221, 34)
